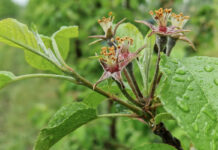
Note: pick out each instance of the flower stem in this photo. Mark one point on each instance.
(126, 94)
(130, 82)
(161, 42)
(154, 83)
(132, 76)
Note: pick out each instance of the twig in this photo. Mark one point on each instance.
(132, 76)
(166, 136)
(117, 25)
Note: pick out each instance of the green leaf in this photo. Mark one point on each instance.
(6, 78)
(93, 99)
(156, 146)
(162, 116)
(189, 93)
(144, 62)
(18, 35)
(66, 120)
(62, 38)
(130, 30)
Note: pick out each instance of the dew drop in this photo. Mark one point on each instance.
(178, 79)
(190, 88)
(209, 114)
(190, 79)
(216, 81)
(182, 105)
(185, 96)
(195, 127)
(208, 68)
(181, 71)
(200, 70)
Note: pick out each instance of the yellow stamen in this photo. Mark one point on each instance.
(186, 17)
(151, 13)
(104, 48)
(110, 14)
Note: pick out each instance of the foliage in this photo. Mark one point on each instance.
(50, 54)
(189, 93)
(66, 120)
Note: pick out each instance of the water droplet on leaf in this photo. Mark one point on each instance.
(190, 78)
(208, 68)
(185, 96)
(195, 127)
(178, 79)
(190, 88)
(180, 102)
(181, 71)
(216, 81)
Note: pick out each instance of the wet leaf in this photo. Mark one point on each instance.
(66, 120)
(188, 92)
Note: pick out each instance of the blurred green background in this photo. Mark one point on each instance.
(26, 106)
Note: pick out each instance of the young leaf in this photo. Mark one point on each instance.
(128, 29)
(18, 35)
(62, 38)
(144, 61)
(156, 146)
(66, 120)
(6, 78)
(162, 116)
(93, 99)
(188, 92)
